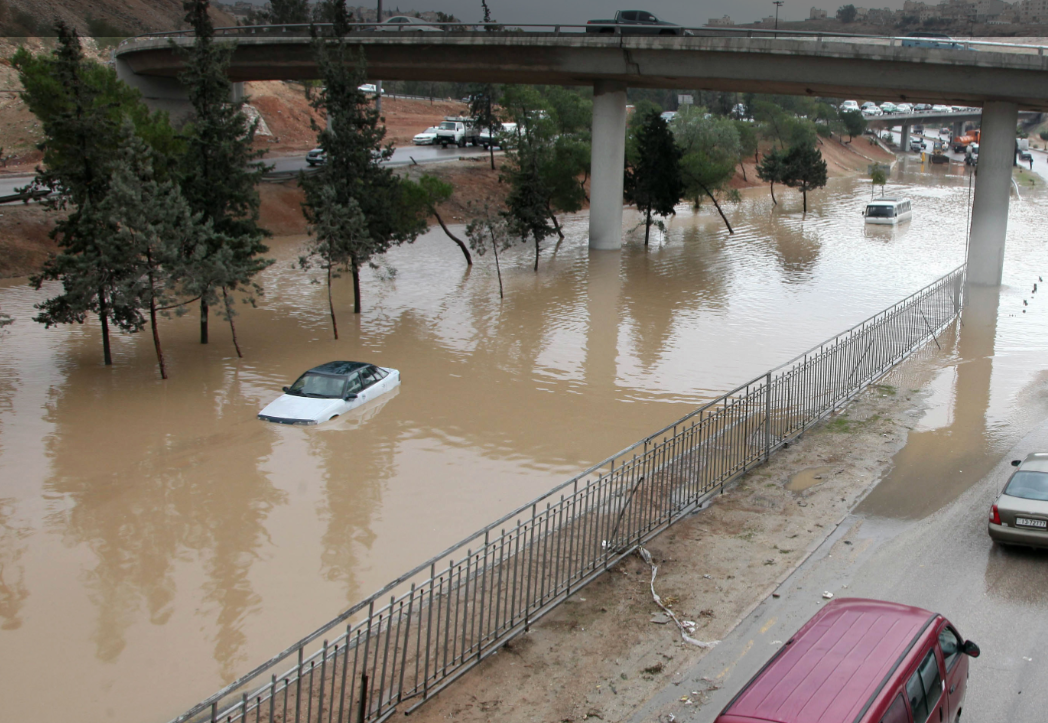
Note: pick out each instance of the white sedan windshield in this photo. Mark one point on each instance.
(318, 385)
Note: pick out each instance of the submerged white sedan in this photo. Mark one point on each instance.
(329, 390)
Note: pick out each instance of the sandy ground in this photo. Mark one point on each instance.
(608, 649)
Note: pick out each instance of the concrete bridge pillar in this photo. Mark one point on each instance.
(607, 164)
(166, 94)
(993, 185)
(958, 129)
(905, 137)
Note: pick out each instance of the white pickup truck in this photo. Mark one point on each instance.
(457, 130)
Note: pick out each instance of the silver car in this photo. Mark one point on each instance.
(406, 24)
(1019, 515)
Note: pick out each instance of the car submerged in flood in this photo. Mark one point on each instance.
(330, 390)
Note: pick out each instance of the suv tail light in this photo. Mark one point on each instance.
(995, 516)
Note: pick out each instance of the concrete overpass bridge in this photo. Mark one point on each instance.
(1000, 78)
(906, 121)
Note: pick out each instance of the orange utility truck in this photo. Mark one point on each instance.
(960, 143)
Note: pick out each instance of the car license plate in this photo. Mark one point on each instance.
(1027, 522)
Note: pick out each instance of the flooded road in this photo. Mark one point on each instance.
(156, 540)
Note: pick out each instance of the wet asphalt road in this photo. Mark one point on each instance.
(401, 157)
(292, 164)
(996, 596)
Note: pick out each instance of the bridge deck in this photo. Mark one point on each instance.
(873, 69)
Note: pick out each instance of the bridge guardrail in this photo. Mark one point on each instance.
(429, 626)
(300, 30)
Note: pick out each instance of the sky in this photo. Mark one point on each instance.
(682, 12)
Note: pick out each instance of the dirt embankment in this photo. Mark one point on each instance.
(287, 114)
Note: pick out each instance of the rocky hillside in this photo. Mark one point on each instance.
(98, 18)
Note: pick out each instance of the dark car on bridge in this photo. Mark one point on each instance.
(635, 22)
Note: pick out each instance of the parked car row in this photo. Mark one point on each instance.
(460, 131)
(872, 110)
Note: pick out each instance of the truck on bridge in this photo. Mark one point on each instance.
(635, 22)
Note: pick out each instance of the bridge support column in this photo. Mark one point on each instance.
(993, 185)
(958, 129)
(607, 164)
(905, 137)
(166, 94)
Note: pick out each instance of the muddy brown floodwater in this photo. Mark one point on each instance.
(157, 541)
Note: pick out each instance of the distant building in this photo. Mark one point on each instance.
(987, 11)
(880, 16)
(817, 14)
(1033, 11)
(725, 22)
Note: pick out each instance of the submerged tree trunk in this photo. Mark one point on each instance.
(152, 320)
(203, 321)
(356, 288)
(804, 193)
(331, 304)
(556, 224)
(232, 325)
(536, 255)
(103, 316)
(717, 205)
(647, 226)
(774, 202)
(453, 237)
(498, 269)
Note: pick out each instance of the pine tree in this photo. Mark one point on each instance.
(220, 173)
(527, 204)
(772, 168)
(805, 170)
(352, 175)
(81, 139)
(483, 108)
(653, 174)
(154, 229)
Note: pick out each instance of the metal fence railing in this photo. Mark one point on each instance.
(429, 626)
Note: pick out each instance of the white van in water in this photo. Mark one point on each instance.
(888, 210)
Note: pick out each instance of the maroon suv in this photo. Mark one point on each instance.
(861, 661)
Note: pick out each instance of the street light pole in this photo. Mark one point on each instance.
(378, 84)
(777, 4)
